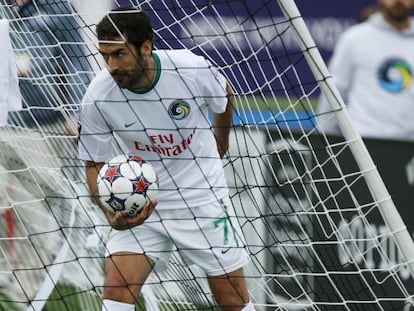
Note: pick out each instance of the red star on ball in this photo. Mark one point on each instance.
(140, 185)
(112, 173)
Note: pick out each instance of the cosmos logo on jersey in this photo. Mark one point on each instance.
(179, 109)
(395, 75)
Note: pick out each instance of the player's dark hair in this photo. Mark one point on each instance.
(135, 25)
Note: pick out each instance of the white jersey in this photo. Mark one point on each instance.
(167, 124)
(372, 67)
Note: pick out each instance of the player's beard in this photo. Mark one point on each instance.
(131, 78)
(397, 12)
(127, 79)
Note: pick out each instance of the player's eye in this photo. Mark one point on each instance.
(119, 54)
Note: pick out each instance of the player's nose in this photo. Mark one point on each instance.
(112, 64)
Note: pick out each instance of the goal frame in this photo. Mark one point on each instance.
(376, 185)
(282, 188)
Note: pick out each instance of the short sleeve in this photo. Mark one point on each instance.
(95, 134)
(213, 85)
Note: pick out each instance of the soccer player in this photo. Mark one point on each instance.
(154, 103)
(372, 67)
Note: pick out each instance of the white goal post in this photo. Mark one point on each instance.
(322, 230)
(361, 154)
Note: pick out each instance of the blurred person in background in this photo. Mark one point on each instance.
(37, 149)
(372, 67)
(53, 74)
(51, 62)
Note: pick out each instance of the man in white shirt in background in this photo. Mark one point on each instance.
(372, 66)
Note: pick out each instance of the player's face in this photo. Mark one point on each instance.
(397, 10)
(127, 65)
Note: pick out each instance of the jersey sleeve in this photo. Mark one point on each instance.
(95, 134)
(341, 65)
(213, 85)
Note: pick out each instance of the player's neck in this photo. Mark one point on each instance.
(149, 74)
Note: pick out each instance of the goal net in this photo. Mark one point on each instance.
(321, 228)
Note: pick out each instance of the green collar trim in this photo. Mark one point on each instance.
(156, 78)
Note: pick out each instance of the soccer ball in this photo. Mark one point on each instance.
(126, 183)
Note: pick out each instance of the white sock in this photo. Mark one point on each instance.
(248, 307)
(112, 305)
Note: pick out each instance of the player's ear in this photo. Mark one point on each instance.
(146, 48)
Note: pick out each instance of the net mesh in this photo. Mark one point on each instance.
(315, 233)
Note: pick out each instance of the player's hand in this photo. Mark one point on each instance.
(72, 128)
(118, 221)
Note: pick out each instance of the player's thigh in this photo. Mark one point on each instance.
(126, 270)
(230, 290)
(217, 244)
(149, 238)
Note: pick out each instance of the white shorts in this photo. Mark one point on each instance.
(208, 236)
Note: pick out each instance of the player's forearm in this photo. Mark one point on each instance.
(92, 170)
(222, 124)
